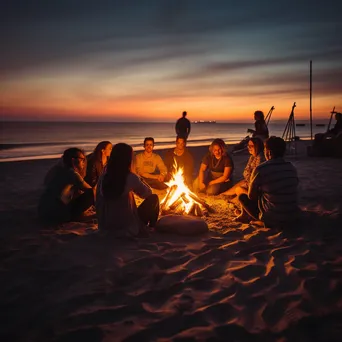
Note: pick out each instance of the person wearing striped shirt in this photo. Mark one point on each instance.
(272, 194)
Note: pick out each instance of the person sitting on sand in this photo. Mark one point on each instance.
(96, 161)
(148, 163)
(333, 132)
(272, 193)
(115, 205)
(338, 125)
(215, 174)
(261, 130)
(183, 126)
(67, 195)
(329, 143)
(180, 157)
(256, 149)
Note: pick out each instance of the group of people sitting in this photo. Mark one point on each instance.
(110, 176)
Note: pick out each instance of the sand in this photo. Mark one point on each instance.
(236, 283)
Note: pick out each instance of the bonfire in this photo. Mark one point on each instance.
(179, 199)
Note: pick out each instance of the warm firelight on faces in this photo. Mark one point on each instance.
(180, 144)
(217, 152)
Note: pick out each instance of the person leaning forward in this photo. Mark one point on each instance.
(150, 167)
(215, 174)
(66, 195)
(273, 190)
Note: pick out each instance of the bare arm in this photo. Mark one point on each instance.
(140, 187)
(80, 183)
(161, 166)
(86, 186)
(203, 168)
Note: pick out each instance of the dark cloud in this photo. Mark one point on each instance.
(116, 37)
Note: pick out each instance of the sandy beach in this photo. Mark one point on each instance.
(238, 282)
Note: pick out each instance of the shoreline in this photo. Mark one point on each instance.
(230, 144)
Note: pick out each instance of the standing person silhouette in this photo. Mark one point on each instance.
(183, 126)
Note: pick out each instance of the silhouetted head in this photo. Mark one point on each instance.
(184, 114)
(118, 168)
(74, 158)
(104, 148)
(255, 146)
(338, 116)
(148, 144)
(217, 148)
(180, 143)
(275, 147)
(259, 115)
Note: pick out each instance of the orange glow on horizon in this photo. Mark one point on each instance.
(33, 100)
(163, 110)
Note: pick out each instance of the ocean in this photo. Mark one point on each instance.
(40, 140)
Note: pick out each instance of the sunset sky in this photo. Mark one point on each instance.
(150, 60)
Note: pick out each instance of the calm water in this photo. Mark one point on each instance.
(37, 140)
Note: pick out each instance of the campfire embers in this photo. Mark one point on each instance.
(180, 200)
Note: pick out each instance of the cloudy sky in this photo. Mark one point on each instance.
(151, 59)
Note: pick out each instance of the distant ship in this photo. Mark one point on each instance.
(205, 122)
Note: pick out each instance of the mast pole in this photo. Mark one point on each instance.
(311, 98)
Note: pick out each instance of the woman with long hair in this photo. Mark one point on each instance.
(97, 161)
(256, 149)
(216, 170)
(115, 205)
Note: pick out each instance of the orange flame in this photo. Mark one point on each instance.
(182, 191)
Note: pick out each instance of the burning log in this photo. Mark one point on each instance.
(180, 200)
(172, 190)
(195, 210)
(176, 203)
(198, 211)
(179, 209)
(192, 209)
(185, 200)
(197, 199)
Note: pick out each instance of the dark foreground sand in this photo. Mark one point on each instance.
(236, 283)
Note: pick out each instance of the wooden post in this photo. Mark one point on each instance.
(311, 97)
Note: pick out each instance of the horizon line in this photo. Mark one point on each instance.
(147, 121)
